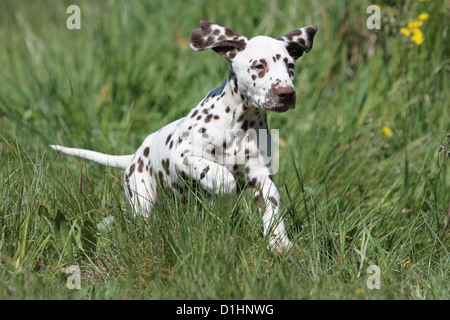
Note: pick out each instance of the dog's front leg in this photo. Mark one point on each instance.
(213, 177)
(267, 198)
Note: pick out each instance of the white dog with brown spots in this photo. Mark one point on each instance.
(223, 143)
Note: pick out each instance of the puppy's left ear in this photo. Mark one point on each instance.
(299, 41)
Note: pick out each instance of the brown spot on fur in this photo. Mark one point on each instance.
(229, 33)
(166, 164)
(204, 172)
(252, 183)
(245, 125)
(132, 167)
(274, 201)
(161, 178)
(140, 165)
(230, 55)
(259, 201)
(168, 138)
(208, 118)
(236, 88)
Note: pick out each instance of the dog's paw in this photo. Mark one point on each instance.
(281, 245)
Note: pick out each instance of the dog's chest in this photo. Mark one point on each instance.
(214, 130)
(218, 131)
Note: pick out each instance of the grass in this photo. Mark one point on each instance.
(352, 195)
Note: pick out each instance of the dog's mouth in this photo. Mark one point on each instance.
(279, 104)
(280, 108)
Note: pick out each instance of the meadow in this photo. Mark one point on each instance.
(364, 156)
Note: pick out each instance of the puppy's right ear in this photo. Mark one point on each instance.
(224, 41)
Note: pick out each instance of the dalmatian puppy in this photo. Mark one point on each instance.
(223, 144)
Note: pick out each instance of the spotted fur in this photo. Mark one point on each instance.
(216, 145)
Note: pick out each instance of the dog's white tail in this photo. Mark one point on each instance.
(105, 159)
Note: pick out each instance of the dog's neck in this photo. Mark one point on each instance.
(232, 102)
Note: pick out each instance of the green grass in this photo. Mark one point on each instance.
(352, 196)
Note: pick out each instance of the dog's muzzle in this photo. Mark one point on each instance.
(280, 99)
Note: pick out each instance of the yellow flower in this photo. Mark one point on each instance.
(387, 131)
(405, 264)
(414, 24)
(423, 16)
(359, 290)
(405, 31)
(417, 36)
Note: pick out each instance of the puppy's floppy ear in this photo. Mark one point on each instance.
(299, 41)
(224, 41)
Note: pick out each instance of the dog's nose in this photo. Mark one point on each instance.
(285, 92)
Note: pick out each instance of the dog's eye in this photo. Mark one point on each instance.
(259, 67)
